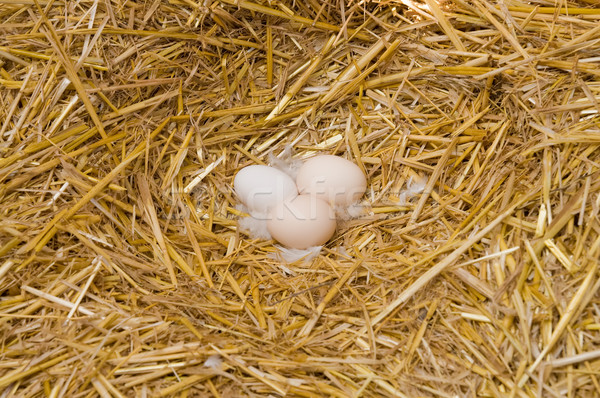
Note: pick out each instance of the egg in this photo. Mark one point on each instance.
(333, 179)
(302, 222)
(261, 188)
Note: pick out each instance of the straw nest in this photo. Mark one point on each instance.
(123, 271)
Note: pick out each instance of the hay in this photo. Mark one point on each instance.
(123, 271)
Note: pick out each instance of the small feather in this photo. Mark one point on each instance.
(288, 255)
(213, 361)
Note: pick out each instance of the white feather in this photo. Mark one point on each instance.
(213, 361)
(285, 162)
(288, 255)
(255, 225)
(413, 188)
(353, 211)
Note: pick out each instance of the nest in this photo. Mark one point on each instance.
(123, 270)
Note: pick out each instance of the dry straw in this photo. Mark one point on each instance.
(122, 268)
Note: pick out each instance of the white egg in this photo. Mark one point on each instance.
(261, 188)
(302, 222)
(332, 179)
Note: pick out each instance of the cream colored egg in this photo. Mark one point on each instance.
(333, 179)
(261, 188)
(302, 222)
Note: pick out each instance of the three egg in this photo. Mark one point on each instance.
(300, 214)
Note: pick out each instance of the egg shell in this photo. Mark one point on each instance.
(260, 188)
(302, 222)
(333, 179)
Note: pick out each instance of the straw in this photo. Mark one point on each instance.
(468, 268)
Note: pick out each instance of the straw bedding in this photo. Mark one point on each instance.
(122, 268)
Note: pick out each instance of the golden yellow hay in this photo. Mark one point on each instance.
(472, 271)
